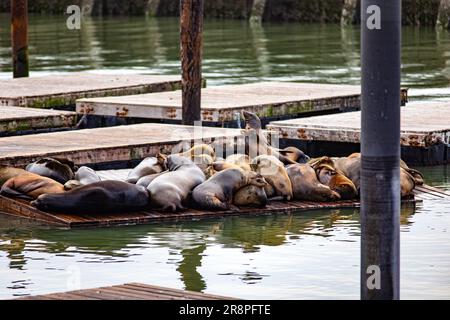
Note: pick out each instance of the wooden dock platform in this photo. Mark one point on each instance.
(425, 132)
(17, 120)
(23, 209)
(61, 91)
(104, 145)
(129, 291)
(270, 100)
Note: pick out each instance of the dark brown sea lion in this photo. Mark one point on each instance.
(333, 178)
(171, 190)
(98, 197)
(146, 167)
(295, 154)
(29, 186)
(250, 196)
(306, 186)
(53, 169)
(7, 173)
(273, 170)
(218, 191)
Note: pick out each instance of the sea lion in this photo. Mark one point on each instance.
(145, 181)
(407, 183)
(333, 178)
(171, 190)
(59, 170)
(218, 191)
(7, 173)
(240, 160)
(306, 186)
(98, 197)
(273, 170)
(199, 150)
(250, 196)
(222, 165)
(83, 176)
(29, 186)
(295, 154)
(417, 175)
(146, 167)
(204, 162)
(256, 141)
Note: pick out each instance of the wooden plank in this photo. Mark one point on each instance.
(17, 119)
(422, 125)
(132, 291)
(219, 104)
(93, 146)
(63, 90)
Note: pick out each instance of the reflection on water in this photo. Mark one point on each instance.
(311, 254)
(234, 51)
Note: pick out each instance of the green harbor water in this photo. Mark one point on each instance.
(307, 255)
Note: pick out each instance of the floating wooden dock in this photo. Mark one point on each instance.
(23, 209)
(17, 120)
(104, 145)
(130, 291)
(270, 100)
(425, 132)
(61, 91)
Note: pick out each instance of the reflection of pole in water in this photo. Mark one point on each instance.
(350, 51)
(259, 40)
(192, 259)
(443, 47)
(90, 42)
(154, 40)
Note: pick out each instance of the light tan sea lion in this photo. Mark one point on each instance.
(240, 160)
(29, 186)
(145, 181)
(83, 176)
(306, 186)
(273, 170)
(407, 183)
(199, 150)
(295, 154)
(171, 190)
(7, 173)
(218, 191)
(250, 196)
(146, 167)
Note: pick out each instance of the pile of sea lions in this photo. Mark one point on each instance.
(197, 178)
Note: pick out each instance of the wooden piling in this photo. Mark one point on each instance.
(257, 10)
(191, 22)
(19, 37)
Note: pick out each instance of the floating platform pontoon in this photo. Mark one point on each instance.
(270, 100)
(18, 121)
(425, 133)
(61, 91)
(129, 291)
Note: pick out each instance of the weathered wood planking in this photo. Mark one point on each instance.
(63, 90)
(422, 125)
(17, 119)
(102, 145)
(21, 208)
(219, 104)
(129, 291)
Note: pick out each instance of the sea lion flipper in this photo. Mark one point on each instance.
(7, 191)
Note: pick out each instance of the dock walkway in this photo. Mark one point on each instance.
(423, 126)
(130, 291)
(17, 120)
(61, 91)
(270, 100)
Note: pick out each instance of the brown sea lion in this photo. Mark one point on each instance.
(29, 186)
(250, 196)
(273, 170)
(407, 183)
(7, 173)
(306, 186)
(222, 165)
(53, 169)
(295, 154)
(146, 167)
(333, 178)
(417, 175)
(218, 191)
(199, 150)
(98, 197)
(204, 162)
(171, 190)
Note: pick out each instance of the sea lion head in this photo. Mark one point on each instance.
(252, 121)
(162, 161)
(175, 161)
(255, 179)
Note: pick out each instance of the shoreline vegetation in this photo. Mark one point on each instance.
(415, 12)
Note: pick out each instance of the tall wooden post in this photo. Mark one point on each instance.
(380, 149)
(191, 16)
(19, 37)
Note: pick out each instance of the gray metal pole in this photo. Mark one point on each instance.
(380, 148)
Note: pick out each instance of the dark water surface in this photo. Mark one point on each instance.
(306, 255)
